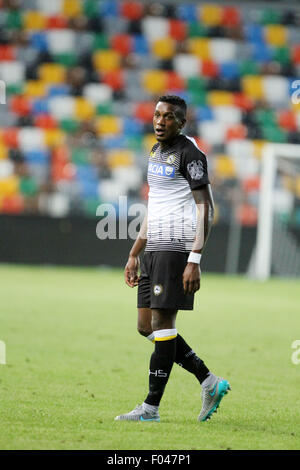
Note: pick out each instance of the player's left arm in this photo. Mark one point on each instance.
(205, 213)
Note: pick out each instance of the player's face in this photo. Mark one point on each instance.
(166, 123)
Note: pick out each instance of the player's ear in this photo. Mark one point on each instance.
(182, 124)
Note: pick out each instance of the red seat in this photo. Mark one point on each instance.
(12, 204)
(230, 16)
(238, 131)
(132, 10)
(210, 69)
(122, 43)
(144, 111)
(63, 171)
(247, 215)
(251, 184)
(57, 22)
(243, 101)
(20, 105)
(115, 79)
(287, 120)
(45, 121)
(175, 82)
(203, 145)
(60, 155)
(177, 29)
(10, 136)
(296, 54)
(7, 53)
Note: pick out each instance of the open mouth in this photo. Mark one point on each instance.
(159, 132)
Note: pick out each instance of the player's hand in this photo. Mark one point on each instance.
(191, 278)
(131, 271)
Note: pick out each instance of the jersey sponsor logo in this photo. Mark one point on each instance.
(159, 169)
(195, 169)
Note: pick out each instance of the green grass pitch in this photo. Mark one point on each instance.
(74, 360)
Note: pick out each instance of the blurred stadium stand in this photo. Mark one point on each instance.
(82, 78)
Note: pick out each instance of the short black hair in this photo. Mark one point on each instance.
(176, 101)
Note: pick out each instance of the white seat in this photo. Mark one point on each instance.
(222, 49)
(51, 7)
(55, 205)
(242, 153)
(187, 65)
(110, 190)
(12, 72)
(6, 168)
(31, 138)
(97, 93)
(212, 131)
(155, 27)
(228, 114)
(131, 178)
(62, 107)
(276, 90)
(60, 41)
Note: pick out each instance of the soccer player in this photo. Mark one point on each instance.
(174, 232)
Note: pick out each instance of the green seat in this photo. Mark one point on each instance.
(270, 16)
(197, 30)
(90, 206)
(14, 19)
(194, 84)
(265, 117)
(273, 133)
(69, 125)
(69, 59)
(105, 108)
(282, 55)
(80, 156)
(198, 97)
(100, 41)
(15, 89)
(28, 186)
(135, 143)
(90, 8)
(248, 67)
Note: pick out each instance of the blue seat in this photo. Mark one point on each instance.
(262, 52)
(204, 113)
(229, 70)
(39, 41)
(89, 189)
(140, 44)
(254, 33)
(187, 12)
(58, 90)
(37, 156)
(132, 126)
(109, 8)
(40, 106)
(86, 173)
(111, 143)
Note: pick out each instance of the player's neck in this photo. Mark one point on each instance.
(169, 142)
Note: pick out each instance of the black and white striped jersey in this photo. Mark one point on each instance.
(173, 172)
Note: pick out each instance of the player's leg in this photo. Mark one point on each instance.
(185, 356)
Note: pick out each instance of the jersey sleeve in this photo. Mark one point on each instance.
(194, 167)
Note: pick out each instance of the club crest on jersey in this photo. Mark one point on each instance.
(171, 159)
(157, 289)
(195, 169)
(160, 169)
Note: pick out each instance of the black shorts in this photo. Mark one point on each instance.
(160, 284)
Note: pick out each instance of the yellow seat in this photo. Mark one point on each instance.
(164, 48)
(106, 61)
(148, 142)
(225, 167)
(84, 109)
(35, 20)
(220, 98)
(54, 137)
(276, 35)
(72, 8)
(9, 186)
(258, 147)
(35, 88)
(200, 47)
(52, 73)
(211, 15)
(3, 151)
(120, 157)
(155, 81)
(108, 125)
(252, 86)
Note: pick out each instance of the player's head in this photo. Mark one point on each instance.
(169, 117)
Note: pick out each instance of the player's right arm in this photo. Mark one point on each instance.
(132, 266)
